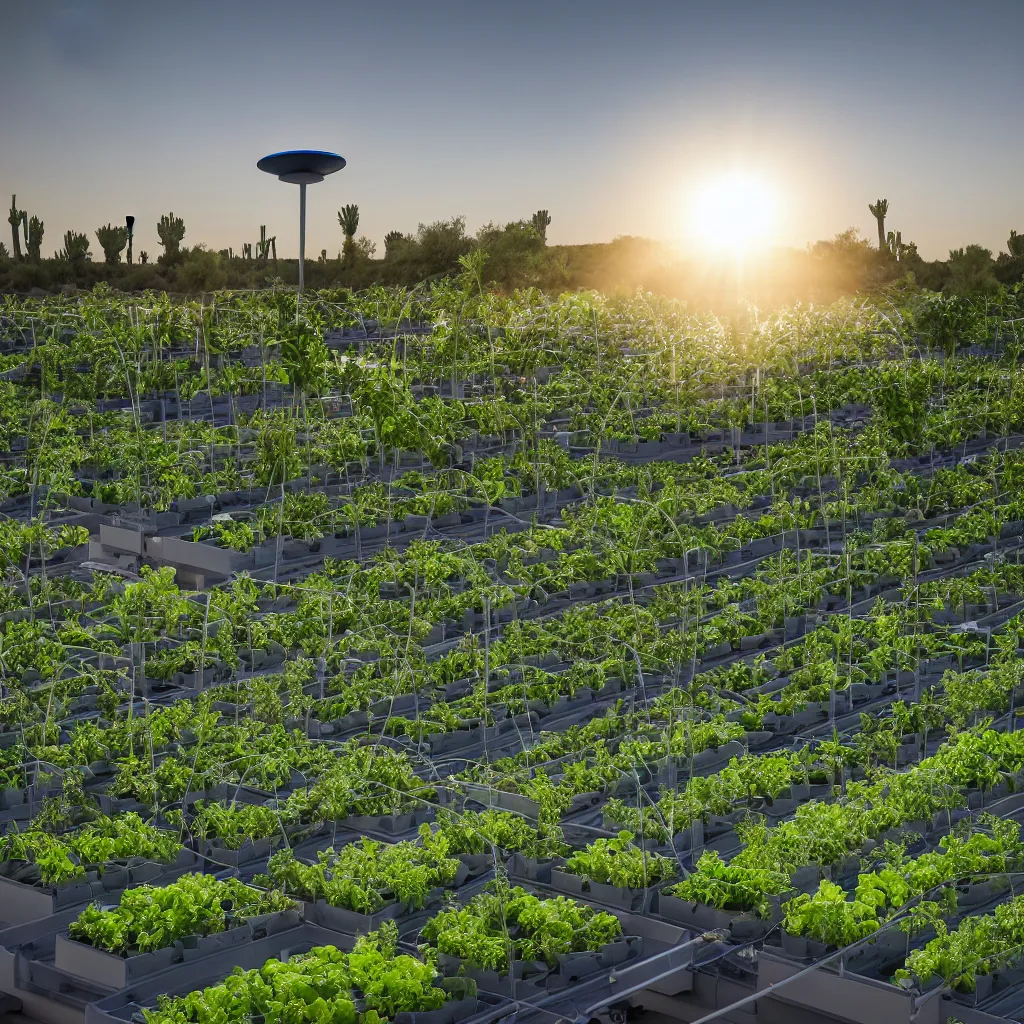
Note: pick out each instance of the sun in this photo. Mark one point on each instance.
(733, 214)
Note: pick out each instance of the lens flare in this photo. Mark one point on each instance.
(733, 214)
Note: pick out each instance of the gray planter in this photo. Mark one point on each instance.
(742, 925)
(351, 922)
(389, 824)
(635, 901)
(117, 972)
(530, 868)
(452, 1011)
(525, 977)
(22, 903)
(802, 947)
(574, 967)
(251, 850)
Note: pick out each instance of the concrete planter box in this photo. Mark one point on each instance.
(351, 922)
(117, 972)
(742, 925)
(502, 801)
(251, 850)
(850, 998)
(635, 901)
(200, 558)
(530, 868)
(390, 824)
(21, 903)
(527, 976)
(574, 967)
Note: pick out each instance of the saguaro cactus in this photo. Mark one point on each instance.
(76, 248)
(878, 210)
(170, 230)
(14, 219)
(112, 240)
(540, 221)
(264, 244)
(33, 237)
(129, 226)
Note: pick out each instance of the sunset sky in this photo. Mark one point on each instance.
(610, 115)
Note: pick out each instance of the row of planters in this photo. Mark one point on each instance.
(502, 940)
(131, 771)
(244, 827)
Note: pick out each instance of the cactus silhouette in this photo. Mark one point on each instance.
(540, 221)
(76, 247)
(170, 230)
(264, 243)
(33, 237)
(878, 210)
(112, 240)
(15, 219)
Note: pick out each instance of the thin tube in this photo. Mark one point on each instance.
(302, 234)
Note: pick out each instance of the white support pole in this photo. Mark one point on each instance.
(302, 234)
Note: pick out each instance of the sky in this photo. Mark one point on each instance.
(612, 115)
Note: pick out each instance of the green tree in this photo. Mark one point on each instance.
(972, 272)
(878, 210)
(516, 254)
(393, 240)
(441, 244)
(201, 271)
(112, 241)
(170, 230)
(1010, 265)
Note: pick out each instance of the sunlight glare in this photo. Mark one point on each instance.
(733, 214)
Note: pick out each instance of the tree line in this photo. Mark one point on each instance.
(518, 255)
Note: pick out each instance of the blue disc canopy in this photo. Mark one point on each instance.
(302, 166)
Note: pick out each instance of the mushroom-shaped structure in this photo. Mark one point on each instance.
(302, 167)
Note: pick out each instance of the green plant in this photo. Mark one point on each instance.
(732, 887)
(348, 219)
(321, 986)
(366, 875)
(152, 917)
(618, 862)
(506, 923)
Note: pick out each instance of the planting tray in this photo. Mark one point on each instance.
(21, 903)
(115, 972)
(185, 978)
(853, 999)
